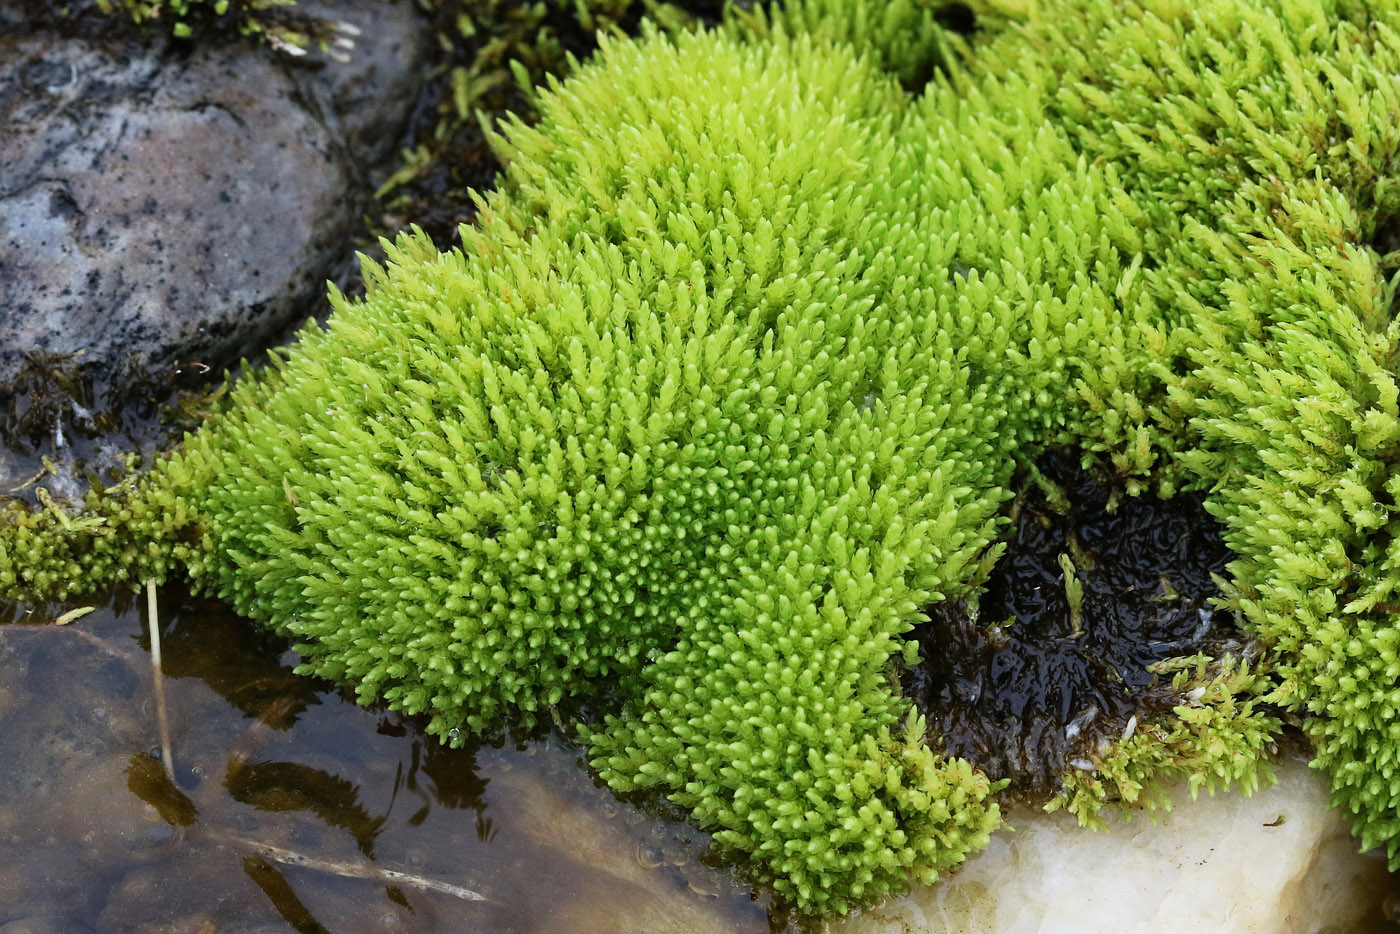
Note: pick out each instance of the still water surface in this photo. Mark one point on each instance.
(294, 808)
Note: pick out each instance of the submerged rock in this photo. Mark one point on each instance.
(1278, 862)
(290, 803)
(612, 880)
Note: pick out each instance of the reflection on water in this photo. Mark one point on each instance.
(291, 806)
(294, 809)
(291, 786)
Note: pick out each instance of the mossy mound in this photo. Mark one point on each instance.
(732, 375)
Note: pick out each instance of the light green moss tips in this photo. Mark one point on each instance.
(731, 376)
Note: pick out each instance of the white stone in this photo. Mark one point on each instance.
(1211, 865)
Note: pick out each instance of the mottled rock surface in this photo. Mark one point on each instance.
(366, 100)
(169, 203)
(1279, 862)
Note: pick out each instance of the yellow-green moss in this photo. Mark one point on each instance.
(731, 375)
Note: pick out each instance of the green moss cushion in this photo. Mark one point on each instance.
(731, 377)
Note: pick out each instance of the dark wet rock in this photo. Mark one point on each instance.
(177, 205)
(367, 98)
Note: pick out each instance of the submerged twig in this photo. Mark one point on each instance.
(162, 717)
(356, 870)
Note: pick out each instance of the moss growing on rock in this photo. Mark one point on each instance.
(1257, 149)
(732, 375)
(279, 23)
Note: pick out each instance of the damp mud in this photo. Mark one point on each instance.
(291, 808)
(1021, 682)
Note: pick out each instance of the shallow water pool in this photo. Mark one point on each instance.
(293, 808)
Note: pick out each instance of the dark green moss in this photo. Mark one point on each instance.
(278, 22)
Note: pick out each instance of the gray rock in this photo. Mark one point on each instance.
(367, 98)
(179, 205)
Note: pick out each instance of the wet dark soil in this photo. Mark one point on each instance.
(1018, 685)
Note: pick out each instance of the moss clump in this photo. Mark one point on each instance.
(487, 60)
(732, 374)
(1256, 145)
(277, 22)
(1211, 738)
(695, 402)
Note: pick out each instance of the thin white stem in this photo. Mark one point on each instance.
(162, 717)
(350, 870)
